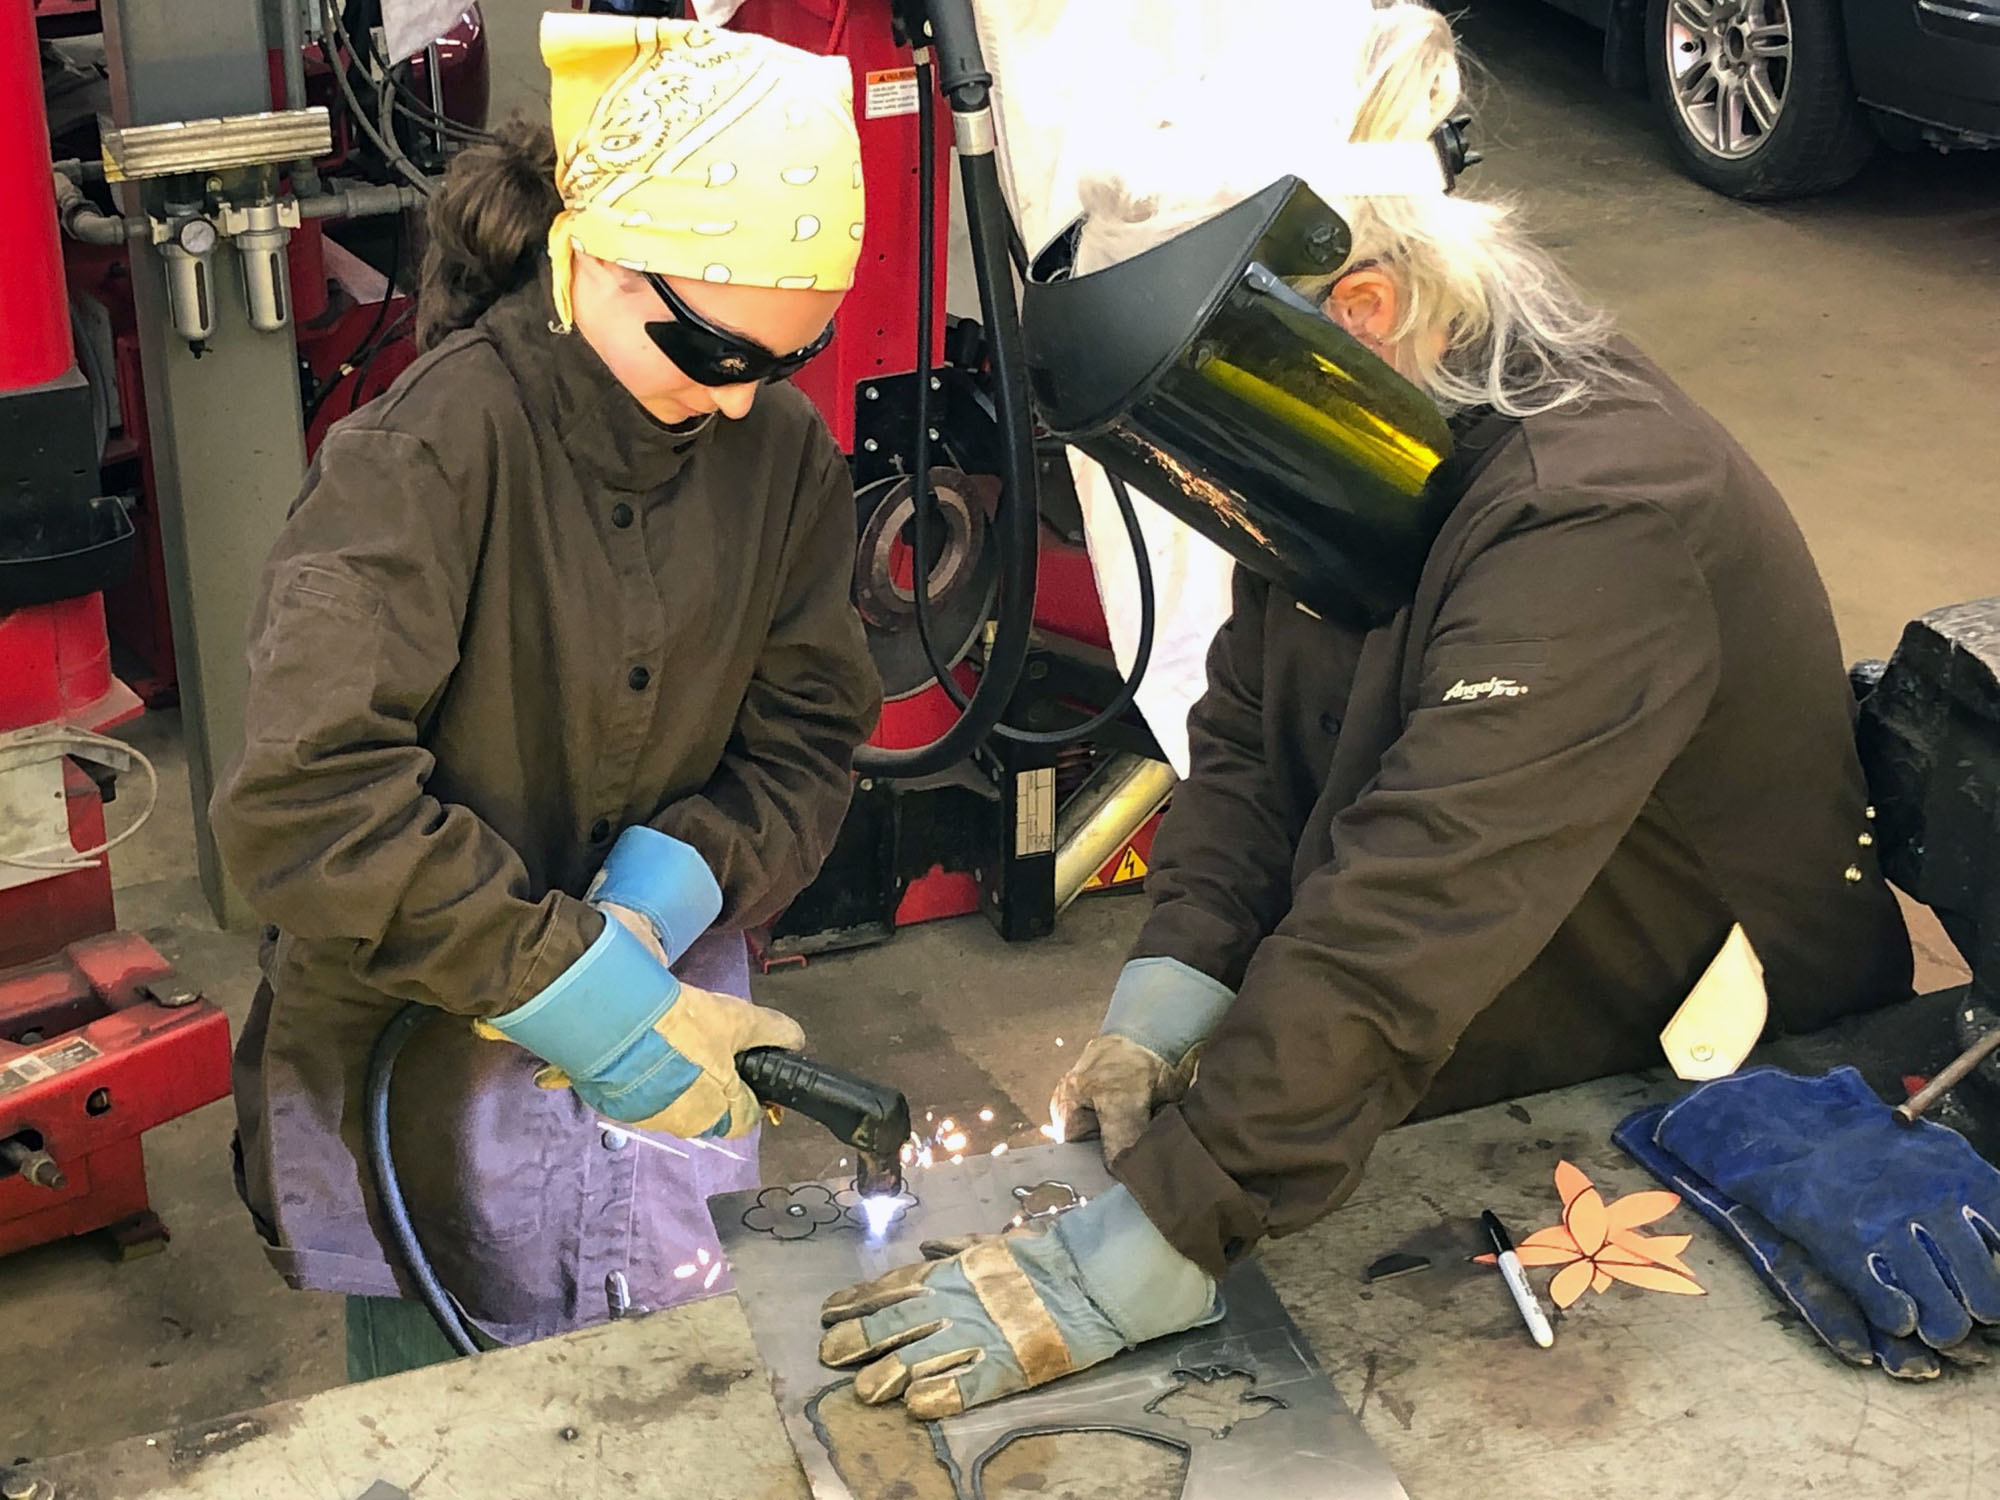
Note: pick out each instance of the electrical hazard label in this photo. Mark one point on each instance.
(37, 1067)
(1130, 868)
(893, 91)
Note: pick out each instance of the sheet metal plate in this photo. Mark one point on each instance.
(1294, 1439)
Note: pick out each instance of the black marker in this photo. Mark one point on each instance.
(1517, 1280)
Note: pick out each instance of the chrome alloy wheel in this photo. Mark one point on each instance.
(1730, 62)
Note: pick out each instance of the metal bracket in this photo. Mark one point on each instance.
(185, 147)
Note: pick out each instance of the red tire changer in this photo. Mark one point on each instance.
(99, 1040)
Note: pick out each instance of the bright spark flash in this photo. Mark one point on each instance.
(954, 1142)
(986, 1116)
(1053, 1132)
(879, 1209)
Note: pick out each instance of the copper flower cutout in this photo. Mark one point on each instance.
(1598, 1243)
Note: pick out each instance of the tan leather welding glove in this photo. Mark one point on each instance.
(1145, 1056)
(1008, 1312)
(1113, 1090)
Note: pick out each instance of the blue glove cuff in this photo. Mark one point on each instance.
(1165, 1006)
(663, 878)
(601, 1008)
(1141, 1283)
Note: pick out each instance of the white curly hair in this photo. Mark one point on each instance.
(1485, 317)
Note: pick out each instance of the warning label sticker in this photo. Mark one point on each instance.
(893, 91)
(45, 1064)
(1130, 867)
(1034, 812)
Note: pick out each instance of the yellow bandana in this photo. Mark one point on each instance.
(687, 151)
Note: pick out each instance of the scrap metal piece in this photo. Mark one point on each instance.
(1302, 1445)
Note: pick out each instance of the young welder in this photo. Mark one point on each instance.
(555, 683)
(1485, 844)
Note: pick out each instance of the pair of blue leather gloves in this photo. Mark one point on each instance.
(636, 1043)
(1883, 1236)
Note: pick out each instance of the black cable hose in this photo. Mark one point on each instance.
(1018, 529)
(920, 560)
(389, 1188)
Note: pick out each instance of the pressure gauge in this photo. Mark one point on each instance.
(196, 236)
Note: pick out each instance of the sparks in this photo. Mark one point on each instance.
(713, 1272)
(681, 1273)
(999, 1150)
(702, 1256)
(955, 1141)
(1053, 1132)
(879, 1209)
(948, 1126)
(1058, 1041)
(958, 1161)
(986, 1117)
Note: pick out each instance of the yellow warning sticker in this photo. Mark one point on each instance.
(1130, 867)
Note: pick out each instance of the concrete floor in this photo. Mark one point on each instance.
(1851, 343)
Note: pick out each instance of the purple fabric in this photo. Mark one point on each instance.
(523, 1200)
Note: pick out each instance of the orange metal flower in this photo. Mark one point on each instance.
(1598, 1243)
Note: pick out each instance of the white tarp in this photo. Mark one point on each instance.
(409, 26)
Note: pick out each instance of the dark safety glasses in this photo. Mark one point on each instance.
(709, 355)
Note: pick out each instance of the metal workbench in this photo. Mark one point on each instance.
(1644, 1395)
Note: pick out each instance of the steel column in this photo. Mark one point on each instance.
(227, 447)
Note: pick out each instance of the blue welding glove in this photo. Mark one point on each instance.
(663, 884)
(1906, 1218)
(1015, 1310)
(1781, 1264)
(638, 1045)
(1144, 1054)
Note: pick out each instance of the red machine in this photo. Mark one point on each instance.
(98, 1040)
(97, 1046)
(914, 853)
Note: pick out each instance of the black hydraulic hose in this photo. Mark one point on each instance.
(920, 469)
(389, 1188)
(1019, 523)
(1148, 619)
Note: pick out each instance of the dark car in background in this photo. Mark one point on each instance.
(1780, 98)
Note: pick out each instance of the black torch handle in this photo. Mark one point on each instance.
(872, 1118)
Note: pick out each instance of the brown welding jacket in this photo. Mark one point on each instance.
(1486, 848)
(511, 615)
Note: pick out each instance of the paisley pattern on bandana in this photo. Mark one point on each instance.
(695, 152)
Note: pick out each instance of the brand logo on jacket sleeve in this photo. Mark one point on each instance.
(1462, 691)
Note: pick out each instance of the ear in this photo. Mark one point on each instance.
(1364, 302)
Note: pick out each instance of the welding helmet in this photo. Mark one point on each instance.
(1199, 374)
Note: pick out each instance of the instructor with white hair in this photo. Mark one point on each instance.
(1482, 844)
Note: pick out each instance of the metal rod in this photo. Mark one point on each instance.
(292, 53)
(360, 202)
(1106, 813)
(1949, 1077)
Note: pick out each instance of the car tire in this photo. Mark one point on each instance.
(1756, 96)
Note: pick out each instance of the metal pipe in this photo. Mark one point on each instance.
(82, 220)
(292, 53)
(1108, 811)
(359, 202)
(1953, 1074)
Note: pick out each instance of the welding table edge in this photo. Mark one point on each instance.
(690, 1390)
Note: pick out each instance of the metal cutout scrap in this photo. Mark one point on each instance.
(1306, 1446)
(797, 1213)
(1194, 1398)
(1045, 1200)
